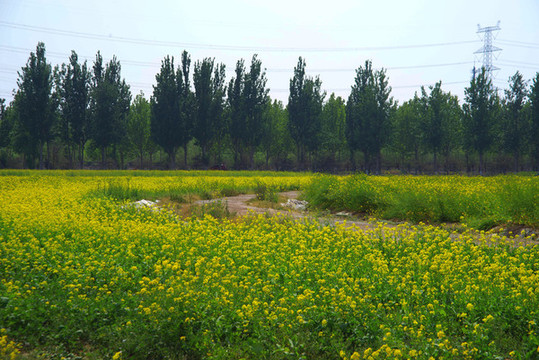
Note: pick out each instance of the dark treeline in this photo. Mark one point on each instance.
(81, 115)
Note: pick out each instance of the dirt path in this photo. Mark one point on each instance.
(239, 205)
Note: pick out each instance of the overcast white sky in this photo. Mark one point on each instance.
(335, 37)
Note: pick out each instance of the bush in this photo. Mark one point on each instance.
(265, 192)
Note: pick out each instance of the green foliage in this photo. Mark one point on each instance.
(440, 119)
(139, 124)
(236, 115)
(355, 194)
(209, 93)
(276, 141)
(34, 104)
(6, 123)
(534, 113)
(515, 127)
(432, 199)
(120, 190)
(305, 110)
(77, 104)
(217, 209)
(74, 91)
(247, 102)
(265, 192)
(479, 109)
(218, 120)
(367, 114)
(333, 139)
(255, 100)
(109, 105)
(406, 125)
(165, 110)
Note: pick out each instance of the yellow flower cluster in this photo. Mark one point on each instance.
(8, 349)
(81, 269)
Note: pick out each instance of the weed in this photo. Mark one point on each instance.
(265, 192)
(217, 209)
(120, 190)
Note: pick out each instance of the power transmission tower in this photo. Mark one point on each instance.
(488, 49)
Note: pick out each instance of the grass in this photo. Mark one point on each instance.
(479, 202)
(217, 209)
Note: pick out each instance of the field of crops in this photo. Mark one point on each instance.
(82, 275)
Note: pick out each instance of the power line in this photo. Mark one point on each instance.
(277, 70)
(218, 47)
(519, 44)
(536, 67)
(521, 62)
(392, 87)
(55, 54)
(385, 68)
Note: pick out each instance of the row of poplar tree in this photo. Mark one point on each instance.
(75, 109)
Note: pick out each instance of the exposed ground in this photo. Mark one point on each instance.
(245, 204)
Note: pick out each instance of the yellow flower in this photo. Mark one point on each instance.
(117, 356)
(367, 352)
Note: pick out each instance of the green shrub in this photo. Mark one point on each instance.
(266, 192)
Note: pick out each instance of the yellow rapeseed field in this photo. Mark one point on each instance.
(82, 274)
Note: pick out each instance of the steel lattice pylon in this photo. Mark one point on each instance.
(488, 49)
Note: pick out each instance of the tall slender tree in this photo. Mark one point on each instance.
(139, 124)
(110, 105)
(333, 126)
(187, 104)
(75, 100)
(514, 122)
(406, 131)
(305, 110)
(209, 92)
(255, 101)
(235, 104)
(35, 107)
(479, 108)
(367, 114)
(276, 141)
(7, 121)
(4, 128)
(165, 110)
(203, 128)
(218, 120)
(439, 118)
(534, 133)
